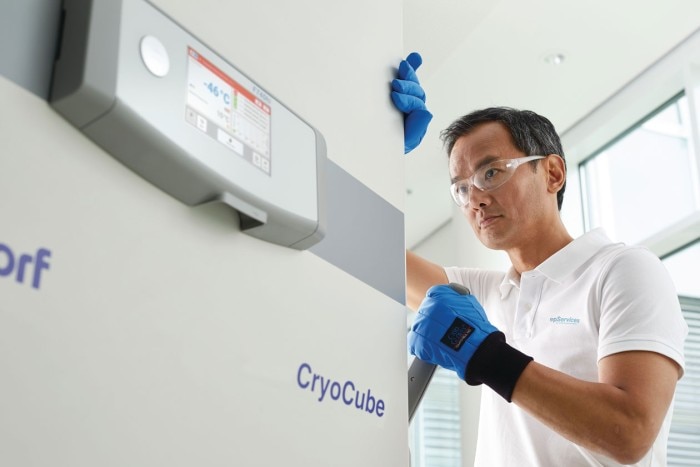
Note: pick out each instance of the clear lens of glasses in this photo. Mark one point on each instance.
(487, 178)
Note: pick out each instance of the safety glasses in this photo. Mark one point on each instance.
(487, 178)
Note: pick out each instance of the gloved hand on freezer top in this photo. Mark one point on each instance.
(409, 97)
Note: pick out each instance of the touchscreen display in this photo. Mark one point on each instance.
(228, 112)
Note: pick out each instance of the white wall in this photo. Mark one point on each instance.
(160, 334)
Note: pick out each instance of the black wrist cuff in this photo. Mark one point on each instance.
(497, 365)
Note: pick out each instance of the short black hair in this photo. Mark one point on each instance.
(531, 133)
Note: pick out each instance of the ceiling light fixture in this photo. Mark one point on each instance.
(554, 58)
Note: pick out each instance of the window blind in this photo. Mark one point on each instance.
(684, 437)
(435, 431)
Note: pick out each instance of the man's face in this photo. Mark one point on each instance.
(511, 214)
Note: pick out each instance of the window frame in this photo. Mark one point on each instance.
(583, 180)
(676, 73)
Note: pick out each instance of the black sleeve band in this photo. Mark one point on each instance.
(497, 365)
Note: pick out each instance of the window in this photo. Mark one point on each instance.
(435, 429)
(640, 188)
(638, 174)
(684, 267)
(683, 446)
(628, 184)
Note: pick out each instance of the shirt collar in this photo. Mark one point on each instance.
(563, 262)
(510, 281)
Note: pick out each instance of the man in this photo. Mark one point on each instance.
(580, 341)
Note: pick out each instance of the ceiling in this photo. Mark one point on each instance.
(484, 53)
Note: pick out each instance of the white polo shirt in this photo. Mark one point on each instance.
(589, 300)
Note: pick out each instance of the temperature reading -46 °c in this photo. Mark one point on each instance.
(209, 93)
(218, 92)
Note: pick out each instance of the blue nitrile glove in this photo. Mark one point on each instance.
(451, 330)
(409, 97)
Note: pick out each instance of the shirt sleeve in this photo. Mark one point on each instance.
(480, 282)
(639, 307)
(458, 275)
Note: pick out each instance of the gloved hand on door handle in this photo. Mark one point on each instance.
(451, 330)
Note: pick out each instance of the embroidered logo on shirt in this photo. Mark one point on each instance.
(561, 320)
(457, 334)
